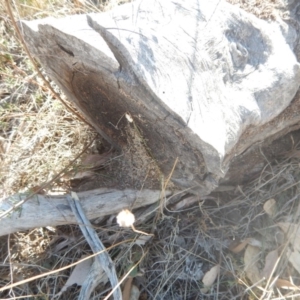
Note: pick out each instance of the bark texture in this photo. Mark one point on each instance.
(42, 211)
(203, 81)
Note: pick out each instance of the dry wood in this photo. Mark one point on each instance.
(201, 81)
(103, 259)
(41, 211)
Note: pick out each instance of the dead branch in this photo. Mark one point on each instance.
(102, 260)
(41, 210)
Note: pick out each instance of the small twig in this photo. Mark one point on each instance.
(171, 173)
(10, 265)
(96, 245)
(142, 232)
(163, 195)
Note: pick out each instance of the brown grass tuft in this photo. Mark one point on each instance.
(263, 9)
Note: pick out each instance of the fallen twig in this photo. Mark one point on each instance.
(43, 210)
(103, 259)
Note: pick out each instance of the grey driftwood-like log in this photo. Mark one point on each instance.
(203, 81)
(41, 211)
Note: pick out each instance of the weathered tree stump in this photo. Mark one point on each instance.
(201, 81)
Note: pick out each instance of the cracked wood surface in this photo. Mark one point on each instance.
(201, 80)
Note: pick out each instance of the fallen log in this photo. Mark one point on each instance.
(41, 210)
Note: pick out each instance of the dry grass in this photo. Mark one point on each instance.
(263, 9)
(186, 245)
(39, 137)
(190, 242)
